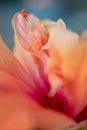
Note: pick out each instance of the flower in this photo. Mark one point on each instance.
(43, 83)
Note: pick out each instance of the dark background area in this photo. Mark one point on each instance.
(73, 12)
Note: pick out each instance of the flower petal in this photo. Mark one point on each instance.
(51, 120)
(16, 107)
(8, 82)
(29, 32)
(10, 64)
(82, 116)
(33, 64)
(20, 113)
(66, 65)
(31, 51)
(17, 112)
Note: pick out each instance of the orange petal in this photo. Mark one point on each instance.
(17, 112)
(60, 39)
(11, 65)
(8, 82)
(20, 113)
(51, 120)
(67, 54)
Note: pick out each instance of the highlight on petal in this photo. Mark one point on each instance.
(59, 22)
(59, 32)
(67, 63)
(11, 65)
(34, 63)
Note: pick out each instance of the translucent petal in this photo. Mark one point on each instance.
(10, 64)
(29, 32)
(67, 57)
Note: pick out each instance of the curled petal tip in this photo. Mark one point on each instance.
(61, 23)
(29, 32)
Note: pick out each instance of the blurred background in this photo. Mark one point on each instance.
(73, 12)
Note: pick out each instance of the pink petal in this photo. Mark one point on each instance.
(34, 65)
(11, 65)
(8, 82)
(30, 49)
(24, 27)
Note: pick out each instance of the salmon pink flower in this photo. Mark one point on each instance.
(43, 83)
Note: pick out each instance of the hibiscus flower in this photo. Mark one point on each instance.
(43, 82)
